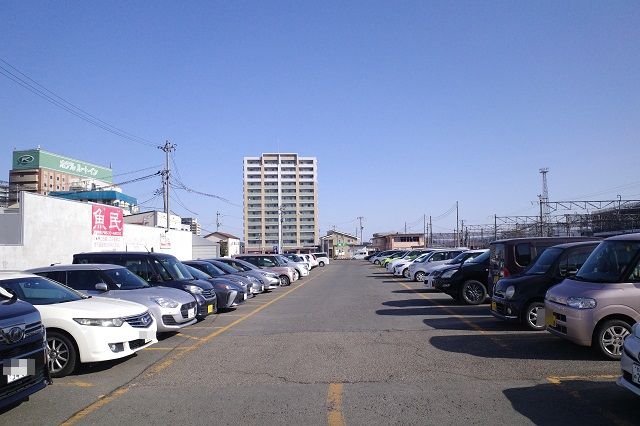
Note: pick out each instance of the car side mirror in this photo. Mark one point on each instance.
(102, 287)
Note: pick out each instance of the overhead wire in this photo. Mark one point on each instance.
(12, 73)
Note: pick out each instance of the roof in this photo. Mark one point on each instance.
(76, 267)
(9, 275)
(625, 237)
(559, 239)
(330, 233)
(577, 244)
(223, 235)
(138, 253)
(94, 195)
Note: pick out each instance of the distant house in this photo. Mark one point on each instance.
(339, 245)
(229, 243)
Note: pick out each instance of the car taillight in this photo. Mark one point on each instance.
(504, 272)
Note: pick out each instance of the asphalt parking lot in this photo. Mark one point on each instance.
(347, 345)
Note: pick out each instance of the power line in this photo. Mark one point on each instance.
(14, 74)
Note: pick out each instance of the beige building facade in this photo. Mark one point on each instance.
(396, 241)
(280, 196)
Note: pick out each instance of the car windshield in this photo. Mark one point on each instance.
(281, 260)
(608, 262)
(175, 268)
(210, 269)
(545, 262)
(480, 259)
(421, 257)
(124, 279)
(226, 269)
(41, 291)
(246, 266)
(295, 258)
(197, 273)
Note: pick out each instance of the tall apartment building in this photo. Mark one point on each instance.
(280, 185)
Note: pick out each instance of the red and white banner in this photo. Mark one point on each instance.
(106, 220)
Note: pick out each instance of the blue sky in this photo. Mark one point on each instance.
(409, 106)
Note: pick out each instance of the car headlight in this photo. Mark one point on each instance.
(192, 289)
(449, 273)
(166, 303)
(100, 322)
(225, 286)
(509, 292)
(581, 302)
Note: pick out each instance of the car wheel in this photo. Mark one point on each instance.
(420, 276)
(531, 314)
(321, 263)
(284, 280)
(377, 262)
(405, 273)
(473, 292)
(610, 337)
(62, 358)
(296, 275)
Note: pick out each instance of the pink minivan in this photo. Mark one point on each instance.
(599, 305)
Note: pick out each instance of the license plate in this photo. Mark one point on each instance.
(13, 377)
(245, 296)
(191, 312)
(210, 309)
(550, 320)
(636, 374)
(494, 307)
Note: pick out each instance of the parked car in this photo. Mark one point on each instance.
(269, 279)
(23, 349)
(227, 293)
(520, 298)
(301, 258)
(379, 257)
(370, 255)
(313, 261)
(82, 329)
(158, 269)
(599, 305)
(513, 256)
(468, 282)
(168, 306)
(630, 361)
(384, 262)
(407, 258)
(401, 268)
(419, 269)
(301, 267)
(322, 258)
(249, 285)
(273, 263)
(434, 270)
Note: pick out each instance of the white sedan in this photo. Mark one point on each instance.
(79, 328)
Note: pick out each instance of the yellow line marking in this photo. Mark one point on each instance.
(334, 402)
(189, 336)
(197, 327)
(153, 348)
(165, 363)
(556, 380)
(77, 383)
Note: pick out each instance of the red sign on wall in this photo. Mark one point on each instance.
(106, 220)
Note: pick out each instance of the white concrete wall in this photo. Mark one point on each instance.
(54, 229)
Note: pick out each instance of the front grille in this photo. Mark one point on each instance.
(208, 294)
(29, 330)
(140, 321)
(135, 344)
(239, 298)
(7, 391)
(21, 348)
(500, 308)
(560, 317)
(168, 320)
(184, 309)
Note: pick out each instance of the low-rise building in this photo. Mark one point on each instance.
(396, 241)
(338, 244)
(112, 197)
(157, 219)
(229, 244)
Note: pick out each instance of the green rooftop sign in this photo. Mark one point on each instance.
(37, 158)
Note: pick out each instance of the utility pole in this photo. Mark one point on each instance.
(168, 147)
(430, 232)
(495, 227)
(424, 229)
(461, 227)
(361, 228)
(544, 200)
(217, 221)
(405, 227)
(457, 224)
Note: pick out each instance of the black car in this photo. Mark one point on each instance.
(521, 298)
(22, 351)
(158, 269)
(228, 293)
(513, 256)
(467, 283)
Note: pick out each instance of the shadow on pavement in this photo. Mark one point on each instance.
(575, 401)
(533, 345)
(95, 367)
(419, 290)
